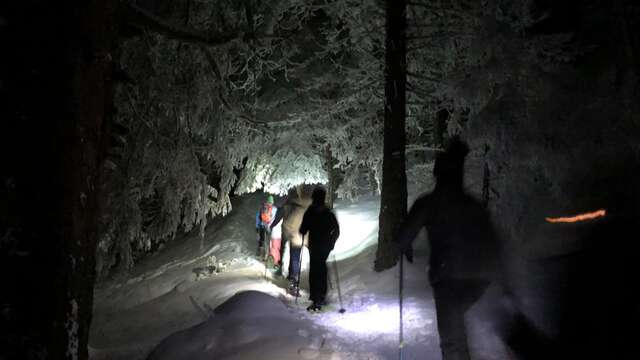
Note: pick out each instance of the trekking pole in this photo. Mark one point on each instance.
(265, 244)
(335, 267)
(400, 288)
(265, 271)
(299, 272)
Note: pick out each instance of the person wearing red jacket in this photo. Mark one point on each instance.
(264, 217)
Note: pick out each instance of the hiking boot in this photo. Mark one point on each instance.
(314, 307)
(293, 288)
(292, 283)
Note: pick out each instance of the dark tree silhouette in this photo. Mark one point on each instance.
(393, 201)
(58, 99)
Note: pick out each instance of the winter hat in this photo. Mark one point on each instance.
(319, 194)
(270, 199)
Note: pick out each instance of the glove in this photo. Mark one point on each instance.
(408, 252)
(409, 255)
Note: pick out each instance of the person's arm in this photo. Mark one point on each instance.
(257, 219)
(304, 226)
(412, 225)
(336, 224)
(278, 216)
(334, 230)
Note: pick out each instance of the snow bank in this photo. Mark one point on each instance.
(249, 325)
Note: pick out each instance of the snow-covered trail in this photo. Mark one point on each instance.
(163, 297)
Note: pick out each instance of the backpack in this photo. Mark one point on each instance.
(265, 213)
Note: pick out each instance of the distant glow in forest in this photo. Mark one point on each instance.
(578, 218)
(356, 232)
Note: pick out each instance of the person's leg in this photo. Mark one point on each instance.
(453, 299)
(282, 245)
(267, 243)
(294, 263)
(318, 276)
(450, 311)
(322, 278)
(274, 250)
(283, 242)
(261, 237)
(313, 274)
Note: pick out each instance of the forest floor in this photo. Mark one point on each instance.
(163, 305)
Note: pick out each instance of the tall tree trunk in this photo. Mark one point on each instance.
(393, 202)
(331, 179)
(87, 62)
(59, 96)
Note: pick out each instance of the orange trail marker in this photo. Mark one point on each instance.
(577, 218)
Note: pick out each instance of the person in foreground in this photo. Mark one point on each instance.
(464, 251)
(321, 224)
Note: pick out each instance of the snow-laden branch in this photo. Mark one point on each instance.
(139, 17)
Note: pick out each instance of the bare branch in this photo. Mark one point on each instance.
(141, 18)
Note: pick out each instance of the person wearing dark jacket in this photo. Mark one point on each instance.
(322, 226)
(464, 251)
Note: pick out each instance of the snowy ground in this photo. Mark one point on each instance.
(162, 306)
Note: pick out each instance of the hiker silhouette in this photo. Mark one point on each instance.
(323, 228)
(464, 251)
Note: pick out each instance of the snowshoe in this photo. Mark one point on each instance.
(314, 308)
